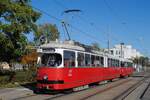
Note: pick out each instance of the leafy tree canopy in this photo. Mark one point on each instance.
(144, 61)
(47, 32)
(96, 46)
(16, 19)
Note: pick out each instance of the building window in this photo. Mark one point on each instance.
(116, 52)
(69, 58)
(112, 52)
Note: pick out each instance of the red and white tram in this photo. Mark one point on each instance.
(65, 65)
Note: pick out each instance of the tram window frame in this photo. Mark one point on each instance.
(87, 60)
(71, 62)
(80, 54)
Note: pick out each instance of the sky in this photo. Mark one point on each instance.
(119, 21)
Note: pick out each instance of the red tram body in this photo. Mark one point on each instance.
(72, 66)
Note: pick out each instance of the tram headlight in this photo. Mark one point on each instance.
(45, 77)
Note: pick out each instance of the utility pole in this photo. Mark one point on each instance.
(108, 41)
(65, 27)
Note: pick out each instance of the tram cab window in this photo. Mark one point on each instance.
(81, 62)
(51, 60)
(69, 58)
(87, 60)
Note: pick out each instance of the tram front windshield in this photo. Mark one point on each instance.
(51, 60)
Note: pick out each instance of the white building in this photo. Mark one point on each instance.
(125, 51)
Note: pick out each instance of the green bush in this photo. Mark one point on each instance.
(4, 79)
(6, 72)
(24, 76)
(18, 76)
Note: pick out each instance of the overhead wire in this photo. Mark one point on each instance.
(86, 21)
(118, 18)
(82, 19)
(59, 20)
(42, 11)
(79, 30)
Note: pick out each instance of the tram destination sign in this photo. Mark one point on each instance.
(51, 50)
(47, 50)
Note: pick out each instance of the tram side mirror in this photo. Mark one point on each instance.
(38, 62)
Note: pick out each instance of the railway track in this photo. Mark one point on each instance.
(124, 94)
(61, 94)
(65, 96)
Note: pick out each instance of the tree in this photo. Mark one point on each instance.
(144, 61)
(96, 46)
(48, 31)
(17, 18)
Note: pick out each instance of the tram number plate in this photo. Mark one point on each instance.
(70, 73)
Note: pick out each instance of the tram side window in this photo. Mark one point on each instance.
(122, 64)
(69, 58)
(101, 61)
(97, 61)
(87, 60)
(125, 64)
(93, 60)
(130, 64)
(109, 62)
(112, 62)
(117, 61)
(81, 62)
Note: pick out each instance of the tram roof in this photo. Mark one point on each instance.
(77, 46)
(64, 45)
